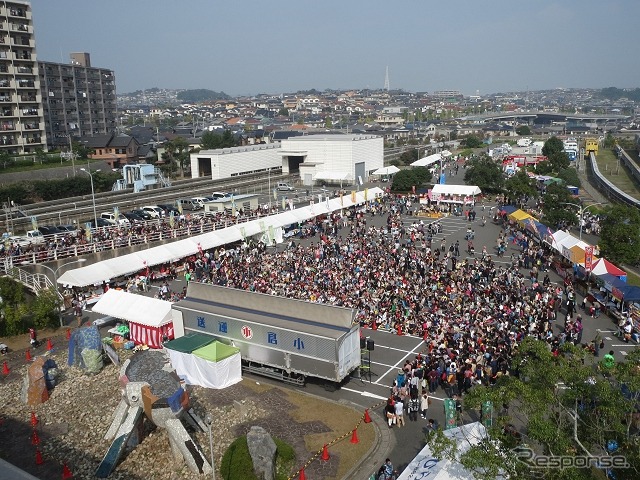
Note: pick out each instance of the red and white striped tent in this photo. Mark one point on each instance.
(149, 319)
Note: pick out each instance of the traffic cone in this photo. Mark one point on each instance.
(5, 368)
(28, 355)
(66, 472)
(325, 453)
(35, 439)
(302, 475)
(49, 345)
(354, 436)
(374, 326)
(68, 334)
(367, 417)
(34, 419)
(39, 460)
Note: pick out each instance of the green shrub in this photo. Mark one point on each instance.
(237, 464)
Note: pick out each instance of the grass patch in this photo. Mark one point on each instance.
(633, 279)
(341, 420)
(619, 176)
(237, 464)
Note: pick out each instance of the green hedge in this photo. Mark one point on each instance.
(237, 464)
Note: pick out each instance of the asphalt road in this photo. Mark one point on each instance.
(392, 350)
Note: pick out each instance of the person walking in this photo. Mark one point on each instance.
(424, 405)
(399, 412)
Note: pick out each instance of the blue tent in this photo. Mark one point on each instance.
(508, 209)
(611, 282)
(630, 293)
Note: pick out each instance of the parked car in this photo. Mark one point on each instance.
(111, 218)
(200, 201)
(142, 213)
(49, 230)
(101, 223)
(189, 204)
(219, 195)
(153, 210)
(67, 228)
(168, 208)
(285, 187)
(132, 217)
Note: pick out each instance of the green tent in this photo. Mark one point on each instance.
(189, 343)
(215, 351)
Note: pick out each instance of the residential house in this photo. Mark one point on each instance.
(116, 150)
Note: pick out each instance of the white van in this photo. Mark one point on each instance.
(111, 218)
(154, 211)
(200, 201)
(285, 187)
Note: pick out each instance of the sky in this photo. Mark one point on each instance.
(281, 46)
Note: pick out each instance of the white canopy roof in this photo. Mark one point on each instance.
(467, 190)
(125, 265)
(428, 160)
(557, 237)
(134, 308)
(446, 153)
(426, 465)
(390, 170)
(330, 175)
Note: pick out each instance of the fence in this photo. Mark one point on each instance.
(607, 188)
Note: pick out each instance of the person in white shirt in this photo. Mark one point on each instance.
(399, 407)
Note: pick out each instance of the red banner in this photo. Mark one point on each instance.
(588, 258)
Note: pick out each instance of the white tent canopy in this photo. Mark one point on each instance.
(125, 265)
(147, 311)
(426, 465)
(331, 176)
(466, 190)
(386, 170)
(446, 153)
(428, 160)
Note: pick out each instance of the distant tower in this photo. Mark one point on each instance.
(386, 79)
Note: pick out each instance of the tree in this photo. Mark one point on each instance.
(555, 210)
(577, 419)
(558, 161)
(520, 185)
(523, 130)
(570, 176)
(283, 112)
(404, 180)
(620, 231)
(551, 146)
(43, 309)
(485, 173)
(473, 141)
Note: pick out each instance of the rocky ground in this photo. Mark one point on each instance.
(73, 421)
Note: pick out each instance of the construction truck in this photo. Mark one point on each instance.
(590, 145)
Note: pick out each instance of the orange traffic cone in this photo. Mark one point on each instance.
(354, 436)
(325, 453)
(28, 355)
(35, 439)
(302, 475)
(39, 460)
(49, 345)
(5, 368)
(34, 419)
(374, 326)
(66, 473)
(399, 329)
(68, 334)
(367, 417)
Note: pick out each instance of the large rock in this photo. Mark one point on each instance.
(262, 449)
(37, 392)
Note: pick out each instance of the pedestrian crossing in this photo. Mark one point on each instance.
(613, 338)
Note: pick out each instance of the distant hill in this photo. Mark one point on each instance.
(201, 95)
(613, 93)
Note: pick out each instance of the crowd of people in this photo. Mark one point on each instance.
(472, 312)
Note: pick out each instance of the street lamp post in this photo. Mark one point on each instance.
(208, 419)
(55, 280)
(93, 193)
(581, 210)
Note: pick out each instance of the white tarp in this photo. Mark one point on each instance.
(466, 190)
(131, 307)
(428, 160)
(557, 238)
(386, 170)
(195, 370)
(331, 176)
(426, 466)
(125, 265)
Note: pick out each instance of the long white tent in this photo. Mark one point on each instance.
(466, 190)
(428, 160)
(134, 262)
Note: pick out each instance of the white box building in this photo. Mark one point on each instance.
(338, 159)
(332, 158)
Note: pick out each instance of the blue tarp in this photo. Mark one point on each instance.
(630, 293)
(81, 339)
(611, 282)
(508, 209)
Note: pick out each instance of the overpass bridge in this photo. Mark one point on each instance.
(533, 115)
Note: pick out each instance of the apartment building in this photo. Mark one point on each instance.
(22, 127)
(78, 100)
